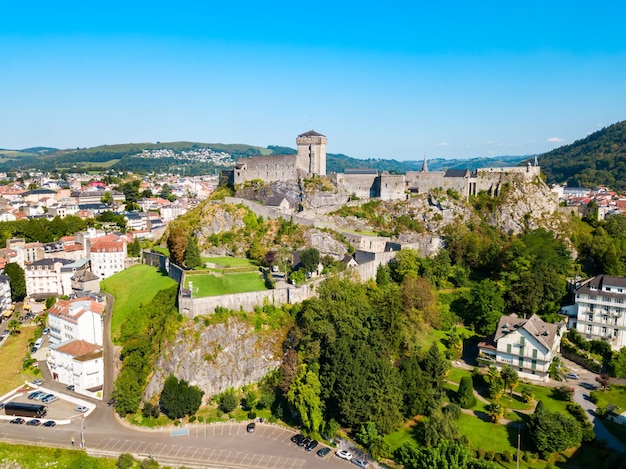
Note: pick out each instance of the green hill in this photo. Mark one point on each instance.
(598, 159)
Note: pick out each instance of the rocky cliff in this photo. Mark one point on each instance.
(216, 357)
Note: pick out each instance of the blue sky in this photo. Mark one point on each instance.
(396, 79)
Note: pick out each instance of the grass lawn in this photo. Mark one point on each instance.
(455, 374)
(161, 250)
(228, 261)
(12, 354)
(545, 394)
(39, 456)
(131, 288)
(215, 285)
(616, 395)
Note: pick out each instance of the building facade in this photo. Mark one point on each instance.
(78, 319)
(107, 255)
(527, 345)
(47, 277)
(77, 363)
(600, 310)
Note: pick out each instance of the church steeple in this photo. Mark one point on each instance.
(424, 166)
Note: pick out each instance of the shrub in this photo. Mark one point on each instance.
(228, 401)
(507, 456)
(251, 415)
(453, 410)
(465, 396)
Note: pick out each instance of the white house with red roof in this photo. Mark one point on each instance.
(78, 319)
(78, 363)
(108, 255)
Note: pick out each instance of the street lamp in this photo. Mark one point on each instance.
(82, 432)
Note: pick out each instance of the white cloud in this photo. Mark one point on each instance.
(555, 140)
(442, 144)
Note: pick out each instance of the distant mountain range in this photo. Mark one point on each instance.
(598, 159)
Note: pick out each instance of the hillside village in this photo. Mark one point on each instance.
(339, 215)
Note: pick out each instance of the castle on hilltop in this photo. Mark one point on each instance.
(310, 160)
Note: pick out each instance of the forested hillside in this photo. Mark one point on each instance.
(598, 159)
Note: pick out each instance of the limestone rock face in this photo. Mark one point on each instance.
(290, 190)
(215, 358)
(527, 206)
(325, 243)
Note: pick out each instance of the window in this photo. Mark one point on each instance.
(605, 318)
(615, 333)
(522, 341)
(508, 348)
(589, 329)
(590, 317)
(521, 362)
(534, 353)
(533, 364)
(604, 331)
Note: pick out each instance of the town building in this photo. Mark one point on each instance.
(78, 319)
(599, 311)
(527, 345)
(47, 278)
(108, 255)
(5, 294)
(77, 363)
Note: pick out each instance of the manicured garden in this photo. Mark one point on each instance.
(209, 284)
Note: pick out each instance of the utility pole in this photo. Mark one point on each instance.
(519, 438)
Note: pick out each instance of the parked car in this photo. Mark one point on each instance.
(360, 463)
(34, 422)
(81, 408)
(49, 400)
(49, 423)
(250, 427)
(572, 376)
(111, 402)
(36, 394)
(322, 452)
(343, 454)
(70, 387)
(1, 405)
(304, 442)
(38, 382)
(45, 331)
(18, 421)
(297, 438)
(43, 396)
(311, 445)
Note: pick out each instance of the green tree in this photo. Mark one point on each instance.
(618, 363)
(419, 397)
(107, 198)
(510, 378)
(485, 307)
(14, 326)
(192, 254)
(17, 280)
(125, 461)
(309, 259)
(178, 399)
(554, 431)
(496, 411)
(228, 401)
(465, 395)
(304, 396)
(177, 245)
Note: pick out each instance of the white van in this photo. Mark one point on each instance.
(39, 342)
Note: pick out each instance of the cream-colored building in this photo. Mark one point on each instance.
(527, 345)
(600, 310)
(77, 363)
(78, 319)
(107, 255)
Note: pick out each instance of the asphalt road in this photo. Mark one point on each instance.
(214, 445)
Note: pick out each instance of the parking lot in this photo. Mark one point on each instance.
(63, 410)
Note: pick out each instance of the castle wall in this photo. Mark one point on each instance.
(361, 185)
(392, 186)
(266, 168)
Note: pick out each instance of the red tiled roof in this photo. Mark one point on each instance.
(78, 348)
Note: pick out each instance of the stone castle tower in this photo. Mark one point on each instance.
(312, 153)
